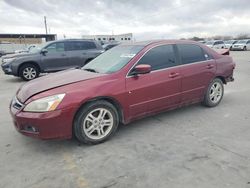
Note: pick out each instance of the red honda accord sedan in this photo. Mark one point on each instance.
(128, 82)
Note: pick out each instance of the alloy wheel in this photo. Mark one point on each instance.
(29, 73)
(215, 92)
(98, 123)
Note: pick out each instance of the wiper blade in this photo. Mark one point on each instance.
(91, 70)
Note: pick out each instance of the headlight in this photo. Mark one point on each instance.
(44, 104)
(8, 60)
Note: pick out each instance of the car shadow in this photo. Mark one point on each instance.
(15, 80)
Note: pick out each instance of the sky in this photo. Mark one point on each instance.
(146, 19)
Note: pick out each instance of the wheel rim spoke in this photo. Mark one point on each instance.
(102, 131)
(107, 122)
(91, 129)
(102, 113)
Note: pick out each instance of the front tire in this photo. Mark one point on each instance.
(28, 72)
(245, 48)
(214, 93)
(96, 122)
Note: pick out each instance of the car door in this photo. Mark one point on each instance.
(159, 89)
(55, 58)
(74, 51)
(197, 70)
(80, 52)
(90, 50)
(248, 45)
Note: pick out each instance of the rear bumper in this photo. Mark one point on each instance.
(230, 79)
(47, 125)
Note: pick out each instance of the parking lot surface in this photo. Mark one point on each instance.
(191, 147)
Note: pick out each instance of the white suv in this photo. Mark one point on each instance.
(242, 45)
(217, 44)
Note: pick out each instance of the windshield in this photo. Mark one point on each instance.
(38, 48)
(242, 42)
(113, 60)
(229, 42)
(210, 42)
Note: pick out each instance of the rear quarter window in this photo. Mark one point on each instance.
(191, 53)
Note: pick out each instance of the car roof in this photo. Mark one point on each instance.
(65, 40)
(156, 42)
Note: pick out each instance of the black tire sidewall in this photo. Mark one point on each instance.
(81, 115)
(207, 101)
(24, 67)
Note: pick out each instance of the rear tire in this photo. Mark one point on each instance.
(96, 122)
(245, 48)
(214, 93)
(28, 72)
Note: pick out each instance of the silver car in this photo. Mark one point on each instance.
(216, 44)
(229, 44)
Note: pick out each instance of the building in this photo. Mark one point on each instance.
(127, 37)
(26, 38)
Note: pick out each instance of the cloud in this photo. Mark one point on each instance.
(146, 19)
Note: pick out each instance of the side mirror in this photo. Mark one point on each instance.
(141, 69)
(44, 51)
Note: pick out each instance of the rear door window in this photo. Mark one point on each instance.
(190, 53)
(88, 45)
(159, 57)
(80, 45)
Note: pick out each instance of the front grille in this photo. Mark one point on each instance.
(16, 104)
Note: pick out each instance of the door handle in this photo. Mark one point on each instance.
(173, 74)
(209, 66)
(63, 54)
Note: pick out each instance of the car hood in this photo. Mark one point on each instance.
(52, 81)
(19, 55)
(241, 44)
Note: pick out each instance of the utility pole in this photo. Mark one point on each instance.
(45, 23)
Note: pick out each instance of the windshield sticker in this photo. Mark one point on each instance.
(128, 55)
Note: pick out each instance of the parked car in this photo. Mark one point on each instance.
(229, 44)
(110, 45)
(242, 45)
(2, 53)
(217, 44)
(51, 57)
(123, 84)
